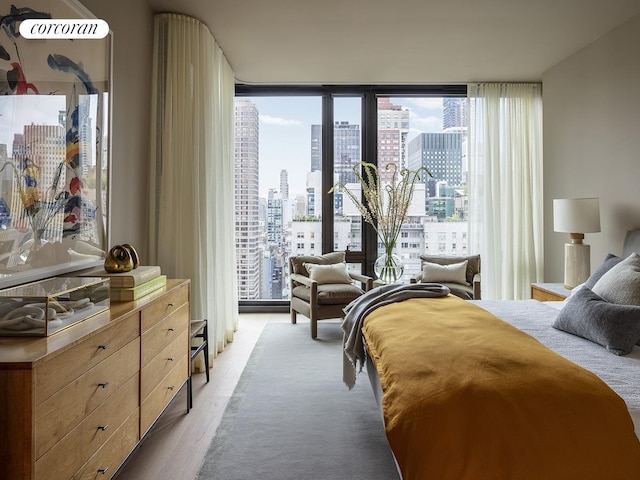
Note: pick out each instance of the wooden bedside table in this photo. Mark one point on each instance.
(546, 292)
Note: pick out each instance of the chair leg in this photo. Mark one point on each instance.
(293, 316)
(195, 351)
(205, 350)
(313, 322)
(189, 394)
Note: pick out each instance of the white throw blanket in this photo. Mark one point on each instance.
(357, 310)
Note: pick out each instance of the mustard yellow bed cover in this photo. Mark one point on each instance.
(468, 396)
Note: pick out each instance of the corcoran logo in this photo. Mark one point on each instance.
(77, 28)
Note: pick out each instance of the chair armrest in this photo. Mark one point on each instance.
(476, 287)
(364, 279)
(313, 285)
(296, 277)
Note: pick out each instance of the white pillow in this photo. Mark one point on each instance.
(436, 273)
(621, 284)
(334, 273)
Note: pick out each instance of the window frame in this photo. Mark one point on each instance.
(369, 148)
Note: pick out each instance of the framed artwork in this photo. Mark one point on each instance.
(54, 145)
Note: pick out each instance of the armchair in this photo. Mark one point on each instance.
(465, 283)
(321, 287)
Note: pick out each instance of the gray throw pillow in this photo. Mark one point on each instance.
(621, 284)
(614, 326)
(609, 262)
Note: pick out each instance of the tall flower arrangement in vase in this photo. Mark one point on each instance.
(385, 206)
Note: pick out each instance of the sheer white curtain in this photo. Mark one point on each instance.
(192, 171)
(505, 186)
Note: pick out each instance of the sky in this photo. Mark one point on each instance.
(285, 132)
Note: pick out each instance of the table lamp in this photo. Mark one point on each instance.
(576, 216)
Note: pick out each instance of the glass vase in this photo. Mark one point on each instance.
(388, 268)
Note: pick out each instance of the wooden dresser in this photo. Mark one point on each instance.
(75, 404)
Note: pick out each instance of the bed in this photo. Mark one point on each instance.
(532, 402)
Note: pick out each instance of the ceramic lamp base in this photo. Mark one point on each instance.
(577, 264)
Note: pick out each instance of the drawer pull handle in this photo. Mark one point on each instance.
(171, 329)
(103, 347)
(171, 304)
(103, 471)
(170, 388)
(103, 427)
(104, 384)
(170, 359)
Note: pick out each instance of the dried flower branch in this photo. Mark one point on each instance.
(385, 206)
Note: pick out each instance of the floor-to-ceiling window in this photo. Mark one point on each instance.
(293, 144)
(278, 196)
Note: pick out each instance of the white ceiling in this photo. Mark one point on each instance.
(400, 41)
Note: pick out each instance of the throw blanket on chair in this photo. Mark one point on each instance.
(468, 396)
(356, 311)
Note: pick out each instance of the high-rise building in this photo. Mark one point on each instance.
(316, 148)
(247, 202)
(441, 153)
(346, 150)
(393, 128)
(454, 113)
(284, 184)
(314, 194)
(274, 218)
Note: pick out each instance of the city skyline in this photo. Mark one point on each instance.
(279, 204)
(285, 132)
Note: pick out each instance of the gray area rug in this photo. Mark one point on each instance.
(291, 417)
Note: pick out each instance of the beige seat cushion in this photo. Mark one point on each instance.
(330, 293)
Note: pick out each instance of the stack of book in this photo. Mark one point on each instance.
(132, 285)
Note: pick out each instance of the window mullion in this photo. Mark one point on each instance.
(327, 172)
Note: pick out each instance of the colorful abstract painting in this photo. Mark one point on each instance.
(54, 139)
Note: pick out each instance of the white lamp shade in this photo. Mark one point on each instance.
(576, 215)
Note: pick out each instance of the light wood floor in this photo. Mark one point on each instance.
(175, 446)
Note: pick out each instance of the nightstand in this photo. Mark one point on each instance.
(546, 292)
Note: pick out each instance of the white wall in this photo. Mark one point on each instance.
(132, 25)
(592, 141)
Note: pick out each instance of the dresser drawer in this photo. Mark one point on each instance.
(155, 403)
(73, 451)
(164, 306)
(163, 333)
(104, 463)
(160, 366)
(59, 413)
(54, 374)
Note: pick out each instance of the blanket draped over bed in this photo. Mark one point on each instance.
(468, 396)
(356, 312)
